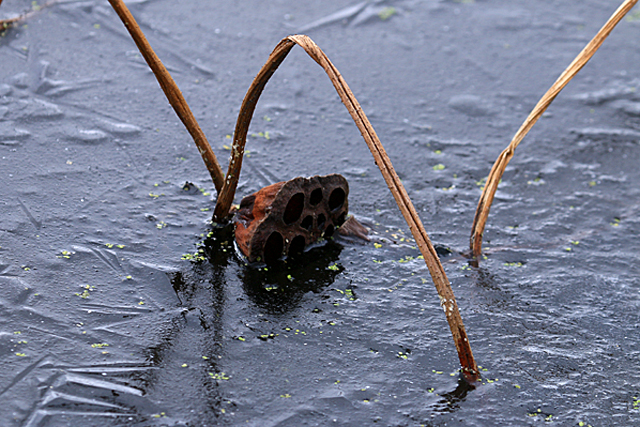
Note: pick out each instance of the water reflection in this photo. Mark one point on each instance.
(450, 402)
(278, 288)
(204, 288)
(196, 332)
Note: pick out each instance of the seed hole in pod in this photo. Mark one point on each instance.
(273, 247)
(294, 208)
(341, 220)
(321, 220)
(336, 199)
(329, 231)
(297, 246)
(307, 222)
(316, 197)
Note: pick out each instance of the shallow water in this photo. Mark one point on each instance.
(103, 323)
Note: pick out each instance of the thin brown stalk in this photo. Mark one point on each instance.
(5, 24)
(172, 93)
(225, 198)
(484, 204)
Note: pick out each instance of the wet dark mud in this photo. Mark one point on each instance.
(121, 305)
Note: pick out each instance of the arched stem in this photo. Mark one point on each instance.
(447, 299)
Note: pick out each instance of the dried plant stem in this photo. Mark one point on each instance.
(7, 23)
(447, 299)
(484, 205)
(172, 92)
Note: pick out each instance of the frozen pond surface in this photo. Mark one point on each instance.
(103, 324)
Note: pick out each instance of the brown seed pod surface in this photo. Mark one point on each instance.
(285, 217)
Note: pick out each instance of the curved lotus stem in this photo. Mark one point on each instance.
(484, 204)
(172, 92)
(225, 198)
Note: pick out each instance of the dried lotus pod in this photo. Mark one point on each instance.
(282, 219)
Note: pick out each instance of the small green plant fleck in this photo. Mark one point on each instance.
(333, 267)
(65, 254)
(285, 396)
(615, 223)
(513, 264)
(193, 257)
(100, 345)
(402, 355)
(349, 294)
(161, 225)
(219, 376)
(536, 181)
(86, 292)
(387, 13)
(438, 167)
(264, 135)
(633, 16)
(265, 337)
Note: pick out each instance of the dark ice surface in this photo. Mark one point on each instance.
(108, 318)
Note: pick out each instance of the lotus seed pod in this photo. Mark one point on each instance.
(282, 219)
